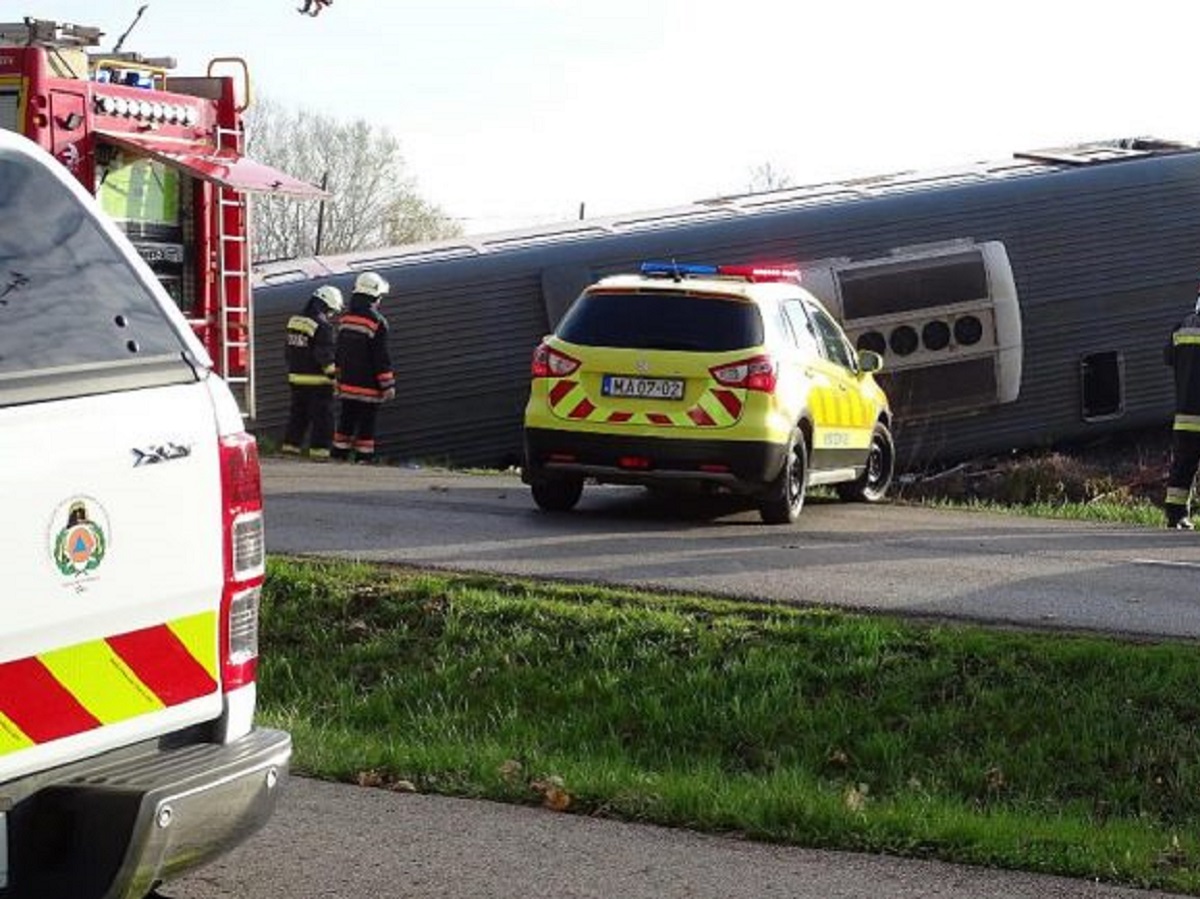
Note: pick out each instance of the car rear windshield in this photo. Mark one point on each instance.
(662, 320)
(69, 299)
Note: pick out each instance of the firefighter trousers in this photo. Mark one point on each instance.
(1185, 458)
(311, 408)
(356, 430)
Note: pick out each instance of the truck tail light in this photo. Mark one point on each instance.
(550, 363)
(245, 559)
(758, 373)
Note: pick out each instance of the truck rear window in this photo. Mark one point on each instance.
(662, 320)
(69, 299)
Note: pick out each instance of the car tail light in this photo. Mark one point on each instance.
(550, 363)
(245, 559)
(758, 373)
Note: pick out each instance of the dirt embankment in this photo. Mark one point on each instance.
(1127, 469)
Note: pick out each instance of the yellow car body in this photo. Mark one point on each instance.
(742, 382)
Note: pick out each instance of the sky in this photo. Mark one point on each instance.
(523, 112)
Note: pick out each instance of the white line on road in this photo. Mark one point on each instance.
(1166, 563)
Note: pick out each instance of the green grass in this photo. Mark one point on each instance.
(1138, 514)
(1069, 754)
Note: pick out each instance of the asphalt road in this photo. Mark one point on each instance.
(969, 565)
(336, 842)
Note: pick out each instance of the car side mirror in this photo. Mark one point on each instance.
(869, 361)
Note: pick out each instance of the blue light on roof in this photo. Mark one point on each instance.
(677, 269)
(755, 274)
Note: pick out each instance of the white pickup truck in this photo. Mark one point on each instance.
(131, 542)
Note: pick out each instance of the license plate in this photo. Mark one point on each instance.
(643, 388)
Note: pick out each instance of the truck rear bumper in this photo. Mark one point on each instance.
(118, 826)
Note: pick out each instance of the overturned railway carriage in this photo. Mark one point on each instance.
(1016, 304)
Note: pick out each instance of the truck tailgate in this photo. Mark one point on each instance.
(84, 547)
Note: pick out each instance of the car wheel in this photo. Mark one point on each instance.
(784, 497)
(557, 493)
(872, 485)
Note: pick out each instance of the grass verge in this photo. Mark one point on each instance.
(1064, 754)
(1136, 514)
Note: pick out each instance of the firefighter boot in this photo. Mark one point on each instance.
(341, 448)
(1177, 518)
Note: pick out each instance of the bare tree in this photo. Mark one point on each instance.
(768, 177)
(373, 202)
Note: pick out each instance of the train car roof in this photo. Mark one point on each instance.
(729, 207)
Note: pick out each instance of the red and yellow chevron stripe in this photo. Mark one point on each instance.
(717, 407)
(78, 688)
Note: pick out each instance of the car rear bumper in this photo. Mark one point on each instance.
(117, 826)
(742, 466)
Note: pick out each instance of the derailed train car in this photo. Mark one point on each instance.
(1017, 304)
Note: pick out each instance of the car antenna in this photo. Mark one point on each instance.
(121, 40)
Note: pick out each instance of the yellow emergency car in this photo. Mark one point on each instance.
(732, 377)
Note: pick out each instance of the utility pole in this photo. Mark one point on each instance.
(321, 214)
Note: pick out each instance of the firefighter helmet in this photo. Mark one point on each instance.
(330, 296)
(371, 285)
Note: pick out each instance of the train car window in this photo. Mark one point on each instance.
(1102, 380)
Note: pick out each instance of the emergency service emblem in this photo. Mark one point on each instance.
(80, 530)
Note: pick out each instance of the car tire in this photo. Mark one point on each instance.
(872, 485)
(783, 498)
(557, 493)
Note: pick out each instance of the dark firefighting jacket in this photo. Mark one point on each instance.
(363, 362)
(310, 347)
(1183, 354)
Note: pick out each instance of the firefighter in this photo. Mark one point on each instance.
(1183, 354)
(365, 377)
(311, 371)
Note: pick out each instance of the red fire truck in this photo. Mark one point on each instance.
(164, 155)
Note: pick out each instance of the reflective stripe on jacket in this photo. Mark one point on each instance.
(310, 347)
(1183, 354)
(364, 363)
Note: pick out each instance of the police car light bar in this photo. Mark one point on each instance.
(677, 270)
(753, 273)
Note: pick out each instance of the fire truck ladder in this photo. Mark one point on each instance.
(46, 33)
(235, 318)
